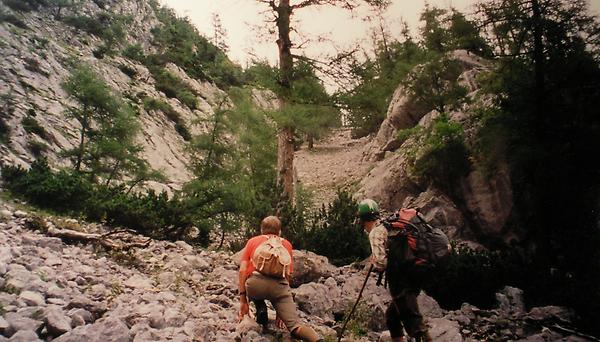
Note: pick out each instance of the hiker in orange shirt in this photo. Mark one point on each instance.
(265, 273)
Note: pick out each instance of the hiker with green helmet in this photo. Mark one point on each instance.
(404, 279)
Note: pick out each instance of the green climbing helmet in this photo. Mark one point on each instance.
(368, 209)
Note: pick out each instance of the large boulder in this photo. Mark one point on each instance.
(444, 330)
(489, 200)
(318, 299)
(309, 267)
(388, 183)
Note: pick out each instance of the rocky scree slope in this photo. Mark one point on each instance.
(53, 291)
(35, 61)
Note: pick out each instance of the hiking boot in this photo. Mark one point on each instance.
(262, 316)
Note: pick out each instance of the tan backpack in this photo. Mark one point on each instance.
(271, 258)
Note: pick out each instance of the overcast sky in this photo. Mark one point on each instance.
(241, 17)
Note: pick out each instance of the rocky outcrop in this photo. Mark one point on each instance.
(36, 61)
(480, 206)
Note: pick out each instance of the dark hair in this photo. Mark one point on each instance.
(368, 217)
(270, 225)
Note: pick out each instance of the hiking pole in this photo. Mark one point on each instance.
(355, 304)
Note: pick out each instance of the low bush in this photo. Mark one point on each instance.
(173, 87)
(30, 125)
(155, 215)
(331, 231)
(37, 147)
(134, 52)
(12, 19)
(180, 126)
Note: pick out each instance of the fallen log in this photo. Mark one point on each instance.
(121, 239)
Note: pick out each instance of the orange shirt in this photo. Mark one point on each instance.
(251, 247)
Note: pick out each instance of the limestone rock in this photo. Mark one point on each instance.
(24, 336)
(510, 300)
(32, 298)
(17, 323)
(108, 329)
(57, 322)
(444, 330)
(388, 183)
(309, 266)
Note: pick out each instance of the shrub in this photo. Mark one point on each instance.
(33, 65)
(134, 52)
(84, 23)
(439, 154)
(12, 19)
(170, 113)
(37, 147)
(73, 193)
(24, 5)
(4, 131)
(331, 231)
(30, 125)
(173, 87)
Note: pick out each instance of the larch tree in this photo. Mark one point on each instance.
(283, 10)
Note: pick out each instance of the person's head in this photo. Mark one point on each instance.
(368, 211)
(270, 225)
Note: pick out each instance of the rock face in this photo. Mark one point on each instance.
(166, 292)
(482, 204)
(35, 62)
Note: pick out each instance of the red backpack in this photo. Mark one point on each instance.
(426, 244)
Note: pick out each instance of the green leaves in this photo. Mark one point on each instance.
(107, 146)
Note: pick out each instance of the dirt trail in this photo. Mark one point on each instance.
(334, 162)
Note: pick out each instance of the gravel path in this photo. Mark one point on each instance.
(335, 162)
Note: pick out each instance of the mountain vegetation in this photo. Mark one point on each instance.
(536, 110)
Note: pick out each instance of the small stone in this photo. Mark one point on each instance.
(24, 336)
(17, 323)
(32, 298)
(20, 214)
(139, 282)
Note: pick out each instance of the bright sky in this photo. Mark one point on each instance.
(342, 28)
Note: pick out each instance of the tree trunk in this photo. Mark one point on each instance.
(311, 141)
(285, 146)
(285, 162)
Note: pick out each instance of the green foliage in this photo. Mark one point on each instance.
(173, 87)
(107, 146)
(474, 277)
(134, 52)
(234, 180)
(25, 5)
(12, 19)
(30, 125)
(331, 231)
(72, 193)
(548, 112)
(172, 114)
(438, 154)
(308, 109)
(179, 42)
(37, 147)
(447, 30)
(109, 27)
(435, 86)
(378, 77)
